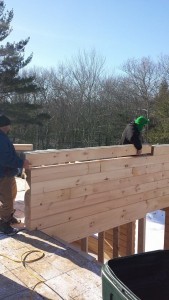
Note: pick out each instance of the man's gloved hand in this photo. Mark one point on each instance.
(26, 164)
(139, 152)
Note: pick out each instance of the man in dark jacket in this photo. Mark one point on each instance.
(9, 164)
(132, 133)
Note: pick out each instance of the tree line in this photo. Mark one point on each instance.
(77, 104)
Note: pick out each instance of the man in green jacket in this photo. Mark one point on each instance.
(132, 134)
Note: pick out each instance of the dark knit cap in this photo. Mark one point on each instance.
(4, 121)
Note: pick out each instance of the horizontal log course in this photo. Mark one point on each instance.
(139, 165)
(44, 197)
(160, 149)
(87, 205)
(23, 147)
(74, 210)
(47, 173)
(75, 230)
(51, 157)
(57, 184)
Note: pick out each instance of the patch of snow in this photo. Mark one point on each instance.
(155, 230)
(157, 216)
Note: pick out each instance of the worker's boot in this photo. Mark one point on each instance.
(7, 229)
(14, 220)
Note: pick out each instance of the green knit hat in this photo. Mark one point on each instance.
(141, 122)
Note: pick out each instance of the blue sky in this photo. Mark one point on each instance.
(117, 29)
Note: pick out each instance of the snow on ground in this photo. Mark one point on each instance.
(155, 230)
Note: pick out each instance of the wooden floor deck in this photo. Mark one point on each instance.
(66, 273)
(63, 273)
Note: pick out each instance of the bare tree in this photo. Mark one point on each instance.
(144, 78)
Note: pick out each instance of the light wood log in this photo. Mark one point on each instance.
(48, 173)
(50, 198)
(114, 193)
(160, 149)
(57, 184)
(103, 200)
(78, 229)
(38, 158)
(115, 242)
(131, 162)
(166, 229)
(92, 179)
(84, 245)
(42, 218)
(130, 238)
(141, 235)
(101, 247)
(27, 199)
(45, 158)
(23, 147)
(75, 192)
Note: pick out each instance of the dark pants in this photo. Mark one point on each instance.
(23, 156)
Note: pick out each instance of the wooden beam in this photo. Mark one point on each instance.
(23, 147)
(51, 157)
(84, 244)
(115, 242)
(160, 149)
(80, 228)
(130, 238)
(48, 173)
(71, 209)
(141, 235)
(44, 198)
(101, 236)
(70, 182)
(27, 200)
(166, 229)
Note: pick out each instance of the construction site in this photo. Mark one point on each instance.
(80, 208)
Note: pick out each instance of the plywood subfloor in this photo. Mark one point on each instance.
(67, 273)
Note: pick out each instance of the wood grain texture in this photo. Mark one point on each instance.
(51, 157)
(23, 147)
(75, 200)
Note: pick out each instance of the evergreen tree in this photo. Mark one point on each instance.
(12, 59)
(13, 85)
(160, 132)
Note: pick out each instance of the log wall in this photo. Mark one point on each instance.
(76, 193)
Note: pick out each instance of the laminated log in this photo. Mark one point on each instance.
(23, 147)
(52, 156)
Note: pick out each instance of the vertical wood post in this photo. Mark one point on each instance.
(27, 200)
(101, 236)
(130, 238)
(115, 242)
(141, 235)
(84, 244)
(166, 229)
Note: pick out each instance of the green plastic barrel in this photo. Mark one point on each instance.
(141, 276)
